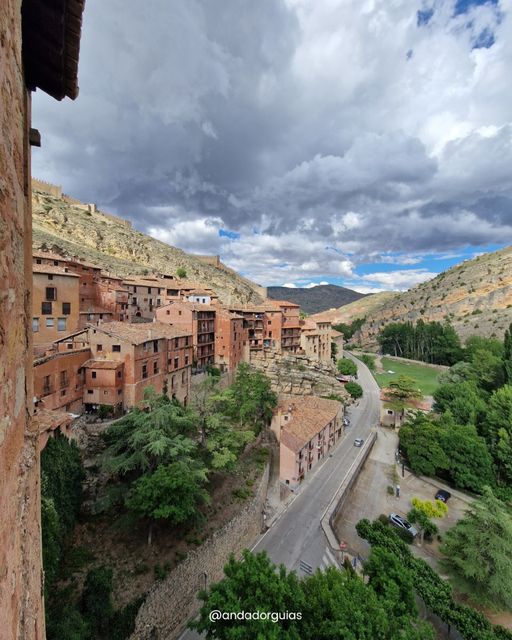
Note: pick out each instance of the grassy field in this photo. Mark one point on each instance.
(425, 376)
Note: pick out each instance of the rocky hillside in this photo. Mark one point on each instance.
(475, 296)
(73, 229)
(363, 308)
(316, 299)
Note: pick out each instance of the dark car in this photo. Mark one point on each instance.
(402, 523)
(443, 495)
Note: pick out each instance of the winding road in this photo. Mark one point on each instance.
(296, 538)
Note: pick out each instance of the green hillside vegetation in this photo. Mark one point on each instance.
(468, 440)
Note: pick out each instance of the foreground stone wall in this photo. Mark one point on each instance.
(21, 606)
(298, 374)
(171, 603)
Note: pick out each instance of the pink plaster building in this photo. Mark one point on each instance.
(306, 427)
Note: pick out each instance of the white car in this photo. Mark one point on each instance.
(402, 523)
(358, 442)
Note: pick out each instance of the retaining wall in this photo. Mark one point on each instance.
(171, 603)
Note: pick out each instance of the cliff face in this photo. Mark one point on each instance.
(72, 228)
(475, 296)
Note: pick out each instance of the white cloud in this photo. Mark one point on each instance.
(310, 122)
(399, 280)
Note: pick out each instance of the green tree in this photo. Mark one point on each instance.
(420, 439)
(253, 398)
(181, 272)
(354, 389)
(400, 395)
(142, 440)
(476, 344)
(334, 351)
(172, 492)
(347, 367)
(463, 399)
(498, 429)
(507, 355)
(478, 552)
(470, 460)
(425, 526)
(368, 360)
(96, 602)
(252, 584)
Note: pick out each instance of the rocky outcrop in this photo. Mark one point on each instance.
(298, 374)
(72, 229)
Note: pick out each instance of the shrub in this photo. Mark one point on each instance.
(354, 389)
(391, 492)
(181, 272)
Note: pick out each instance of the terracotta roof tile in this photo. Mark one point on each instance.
(139, 333)
(49, 268)
(309, 415)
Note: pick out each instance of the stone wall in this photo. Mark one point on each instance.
(171, 603)
(47, 187)
(21, 606)
(298, 374)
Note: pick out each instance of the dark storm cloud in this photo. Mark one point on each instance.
(302, 125)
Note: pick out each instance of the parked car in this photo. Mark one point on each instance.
(358, 442)
(443, 495)
(402, 523)
(346, 422)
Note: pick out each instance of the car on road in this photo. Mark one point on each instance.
(346, 422)
(443, 495)
(358, 442)
(401, 523)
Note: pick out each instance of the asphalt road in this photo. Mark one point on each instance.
(296, 539)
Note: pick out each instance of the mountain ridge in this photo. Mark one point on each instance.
(316, 299)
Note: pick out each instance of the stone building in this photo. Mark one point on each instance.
(290, 331)
(315, 340)
(197, 320)
(55, 303)
(307, 428)
(153, 354)
(231, 340)
(255, 322)
(59, 380)
(30, 58)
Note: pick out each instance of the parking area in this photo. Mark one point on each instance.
(369, 498)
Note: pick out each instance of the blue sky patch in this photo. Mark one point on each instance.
(226, 233)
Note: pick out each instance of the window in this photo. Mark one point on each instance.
(144, 371)
(93, 374)
(168, 312)
(105, 393)
(116, 348)
(46, 308)
(119, 374)
(38, 261)
(176, 343)
(49, 323)
(186, 341)
(155, 346)
(66, 308)
(46, 385)
(155, 367)
(70, 345)
(99, 347)
(50, 277)
(119, 392)
(390, 412)
(63, 392)
(186, 359)
(149, 289)
(176, 363)
(183, 377)
(64, 379)
(61, 324)
(35, 325)
(90, 391)
(51, 293)
(56, 263)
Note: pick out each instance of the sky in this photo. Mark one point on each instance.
(366, 143)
